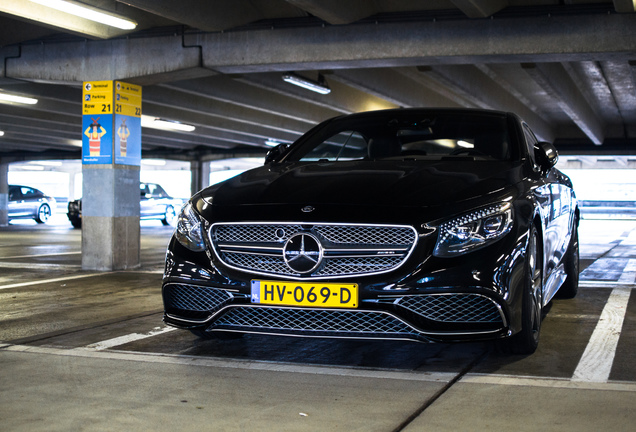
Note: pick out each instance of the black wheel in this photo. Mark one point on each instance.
(571, 285)
(44, 213)
(169, 217)
(527, 340)
(216, 335)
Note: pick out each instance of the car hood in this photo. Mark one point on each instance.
(365, 184)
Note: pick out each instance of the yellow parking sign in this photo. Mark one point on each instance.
(127, 99)
(98, 98)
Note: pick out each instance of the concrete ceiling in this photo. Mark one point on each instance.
(567, 67)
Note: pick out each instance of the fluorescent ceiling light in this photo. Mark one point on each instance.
(271, 143)
(5, 97)
(1, 133)
(88, 13)
(157, 123)
(319, 86)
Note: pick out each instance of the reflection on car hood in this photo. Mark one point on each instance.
(390, 183)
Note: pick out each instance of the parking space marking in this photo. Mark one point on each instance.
(40, 255)
(564, 383)
(596, 363)
(45, 281)
(629, 273)
(31, 265)
(132, 337)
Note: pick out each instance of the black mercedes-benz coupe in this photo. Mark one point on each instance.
(434, 225)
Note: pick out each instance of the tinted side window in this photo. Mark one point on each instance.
(531, 141)
(14, 194)
(30, 193)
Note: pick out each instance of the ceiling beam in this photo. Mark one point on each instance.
(212, 112)
(216, 15)
(337, 11)
(484, 89)
(204, 15)
(557, 83)
(504, 40)
(76, 62)
(393, 87)
(228, 90)
(343, 98)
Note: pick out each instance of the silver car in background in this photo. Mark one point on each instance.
(29, 203)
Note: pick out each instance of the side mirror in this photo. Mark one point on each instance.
(546, 155)
(275, 153)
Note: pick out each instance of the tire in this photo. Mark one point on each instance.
(200, 333)
(571, 285)
(44, 213)
(169, 217)
(527, 340)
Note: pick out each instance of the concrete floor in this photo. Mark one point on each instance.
(88, 351)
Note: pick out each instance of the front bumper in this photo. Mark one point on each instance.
(424, 317)
(475, 297)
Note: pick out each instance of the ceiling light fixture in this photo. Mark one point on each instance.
(271, 143)
(5, 97)
(88, 13)
(1, 133)
(319, 86)
(157, 123)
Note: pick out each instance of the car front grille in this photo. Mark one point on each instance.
(453, 308)
(316, 322)
(346, 250)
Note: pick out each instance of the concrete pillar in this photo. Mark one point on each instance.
(110, 217)
(200, 172)
(4, 194)
(111, 156)
(205, 174)
(195, 176)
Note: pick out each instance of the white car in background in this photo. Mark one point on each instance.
(154, 204)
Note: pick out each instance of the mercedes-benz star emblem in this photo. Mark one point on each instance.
(303, 253)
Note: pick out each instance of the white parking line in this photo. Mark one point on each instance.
(121, 340)
(596, 363)
(564, 383)
(629, 273)
(40, 255)
(45, 281)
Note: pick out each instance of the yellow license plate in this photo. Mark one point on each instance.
(316, 294)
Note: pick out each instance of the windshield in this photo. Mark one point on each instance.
(400, 135)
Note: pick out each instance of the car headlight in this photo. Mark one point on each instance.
(188, 231)
(474, 230)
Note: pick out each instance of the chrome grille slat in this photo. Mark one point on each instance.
(349, 250)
